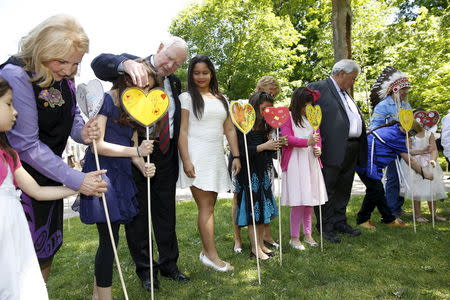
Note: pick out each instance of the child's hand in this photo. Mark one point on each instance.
(149, 170)
(433, 163)
(271, 145)
(146, 147)
(313, 139)
(283, 141)
(317, 151)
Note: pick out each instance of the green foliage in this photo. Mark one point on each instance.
(388, 263)
(244, 39)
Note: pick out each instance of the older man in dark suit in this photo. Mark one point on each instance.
(170, 55)
(344, 145)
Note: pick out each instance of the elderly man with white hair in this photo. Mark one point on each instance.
(344, 144)
(170, 55)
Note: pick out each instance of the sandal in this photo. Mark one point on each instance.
(421, 220)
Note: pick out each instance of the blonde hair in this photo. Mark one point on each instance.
(266, 83)
(53, 39)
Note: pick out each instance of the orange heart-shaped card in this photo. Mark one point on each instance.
(406, 118)
(243, 116)
(314, 115)
(145, 108)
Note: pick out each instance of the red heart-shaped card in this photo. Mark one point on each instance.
(427, 118)
(276, 116)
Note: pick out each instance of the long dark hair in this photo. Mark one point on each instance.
(300, 98)
(4, 144)
(198, 104)
(256, 100)
(123, 82)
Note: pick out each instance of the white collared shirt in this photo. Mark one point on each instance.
(355, 128)
(168, 90)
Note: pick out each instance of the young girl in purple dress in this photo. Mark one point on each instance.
(118, 150)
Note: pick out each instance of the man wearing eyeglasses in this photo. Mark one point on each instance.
(171, 54)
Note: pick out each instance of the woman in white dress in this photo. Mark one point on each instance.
(204, 121)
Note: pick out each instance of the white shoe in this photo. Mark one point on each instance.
(207, 262)
(237, 250)
(312, 244)
(298, 247)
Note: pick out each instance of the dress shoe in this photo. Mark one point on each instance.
(252, 255)
(368, 225)
(207, 262)
(146, 284)
(347, 229)
(297, 246)
(397, 223)
(176, 275)
(331, 237)
(271, 244)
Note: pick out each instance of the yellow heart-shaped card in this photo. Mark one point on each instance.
(314, 115)
(406, 118)
(243, 116)
(145, 108)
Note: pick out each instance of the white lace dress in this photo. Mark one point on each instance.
(422, 189)
(20, 275)
(206, 147)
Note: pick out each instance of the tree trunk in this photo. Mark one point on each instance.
(342, 28)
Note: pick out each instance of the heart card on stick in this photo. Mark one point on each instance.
(90, 97)
(276, 116)
(427, 118)
(243, 116)
(145, 108)
(314, 115)
(406, 118)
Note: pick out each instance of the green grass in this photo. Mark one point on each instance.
(388, 263)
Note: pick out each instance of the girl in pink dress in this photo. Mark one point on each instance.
(303, 186)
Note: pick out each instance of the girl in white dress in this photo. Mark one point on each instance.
(303, 186)
(20, 277)
(204, 121)
(423, 148)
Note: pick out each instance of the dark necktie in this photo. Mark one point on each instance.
(164, 134)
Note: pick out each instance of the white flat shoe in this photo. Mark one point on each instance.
(207, 262)
(237, 250)
(312, 244)
(297, 247)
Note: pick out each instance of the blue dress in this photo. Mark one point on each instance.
(121, 195)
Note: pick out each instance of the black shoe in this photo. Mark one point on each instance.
(176, 275)
(347, 229)
(146, 284)
(331, 237)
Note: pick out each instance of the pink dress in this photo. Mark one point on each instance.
(302, 182)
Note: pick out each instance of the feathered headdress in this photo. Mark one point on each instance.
(390, 81)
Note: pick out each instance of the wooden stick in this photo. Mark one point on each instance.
(410, 182)
(149, 211)
(432, 202)
(108, 222)
(253, 210)
(320, 205)
(279, 201)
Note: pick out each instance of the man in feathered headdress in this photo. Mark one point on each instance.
(388, 95)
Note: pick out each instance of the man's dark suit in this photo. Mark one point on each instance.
(163, 186)
(339, 154)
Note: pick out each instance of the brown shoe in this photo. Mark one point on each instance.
(397, 223)
(368, 225)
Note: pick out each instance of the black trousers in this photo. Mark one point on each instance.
(338, 181)
(163, 190)
(374, 198)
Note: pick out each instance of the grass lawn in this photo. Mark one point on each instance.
(388, 263)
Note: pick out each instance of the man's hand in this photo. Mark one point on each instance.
(137, 72)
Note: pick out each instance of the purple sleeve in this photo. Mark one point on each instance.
(77, 126)
(24, 137)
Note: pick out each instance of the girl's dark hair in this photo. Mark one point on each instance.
(198, 104)
(300, 98)
(256, 100)
(4, 144)
(123, 82)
